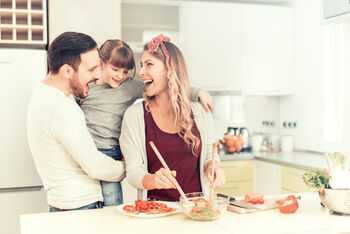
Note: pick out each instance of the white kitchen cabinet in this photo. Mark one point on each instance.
(245, 47)
(267, 49)
(292, 180)
(239, 177)
(211, 35)
(15, 203)
(99, 19)
(267, 178)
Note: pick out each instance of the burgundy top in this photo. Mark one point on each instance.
(178, 157)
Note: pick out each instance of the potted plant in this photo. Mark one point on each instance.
(318, 179)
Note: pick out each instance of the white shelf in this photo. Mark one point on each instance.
(23, 22)
(150, 26)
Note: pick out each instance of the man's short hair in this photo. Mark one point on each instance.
(67, 48)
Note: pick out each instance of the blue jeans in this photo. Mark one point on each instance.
(94, 205)
(112, 191)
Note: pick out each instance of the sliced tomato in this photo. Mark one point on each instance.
(129, 208)
(254, 198)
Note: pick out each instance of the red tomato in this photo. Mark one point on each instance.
(254, 198)
(129, 208)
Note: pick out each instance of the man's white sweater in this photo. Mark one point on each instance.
(64, 153)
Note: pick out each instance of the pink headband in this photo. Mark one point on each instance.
(157, 41)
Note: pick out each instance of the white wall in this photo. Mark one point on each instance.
(255, 109)
(259, 109)
(346, 128)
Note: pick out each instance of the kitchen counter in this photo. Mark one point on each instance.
(310, 218)
(299, 159)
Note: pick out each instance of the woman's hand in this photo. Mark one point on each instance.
(206, 100)
(219, 175)
(162, 179)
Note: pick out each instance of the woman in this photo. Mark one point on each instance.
(181, 131)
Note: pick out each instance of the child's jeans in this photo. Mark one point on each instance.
(94, 205)
(112, 191)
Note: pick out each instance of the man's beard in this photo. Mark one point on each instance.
(77, 88)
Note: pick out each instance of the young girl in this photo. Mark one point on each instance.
(107, 101)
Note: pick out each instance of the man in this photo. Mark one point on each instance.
(65, 155)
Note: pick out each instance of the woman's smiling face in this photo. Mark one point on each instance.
(153, 73)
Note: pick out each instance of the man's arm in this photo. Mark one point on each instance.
(69, 128)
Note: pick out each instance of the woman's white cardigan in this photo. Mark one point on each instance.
(132, 143)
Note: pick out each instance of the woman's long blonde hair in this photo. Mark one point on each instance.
(179, 91)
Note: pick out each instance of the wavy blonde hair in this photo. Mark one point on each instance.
(179, 92)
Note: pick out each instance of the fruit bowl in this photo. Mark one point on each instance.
(199, 208)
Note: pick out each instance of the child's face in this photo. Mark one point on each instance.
(114, 76)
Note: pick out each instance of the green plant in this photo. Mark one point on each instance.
(316, 179)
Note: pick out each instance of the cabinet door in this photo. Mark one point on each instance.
(211, 42)
(292, 180)
(267, 178)
(15, 204)
(101, 20)
(239, 178)
(267, 49)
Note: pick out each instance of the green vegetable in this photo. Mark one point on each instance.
(316, 179)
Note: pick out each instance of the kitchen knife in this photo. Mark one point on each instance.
(230, 199)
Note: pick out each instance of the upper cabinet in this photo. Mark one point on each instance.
(334, 8)
(99, 19)
(244, 47)
(267, 49)
(23, 22)
(212, 44)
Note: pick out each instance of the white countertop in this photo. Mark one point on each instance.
(299, 159)
(310, 218)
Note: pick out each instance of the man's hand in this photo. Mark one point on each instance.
(206, 100)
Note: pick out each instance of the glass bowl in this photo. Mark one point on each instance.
(199, 208)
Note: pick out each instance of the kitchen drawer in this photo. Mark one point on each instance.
(238, 170)
(292, 180)
(236, 188)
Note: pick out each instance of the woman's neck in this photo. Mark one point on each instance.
(162, 103)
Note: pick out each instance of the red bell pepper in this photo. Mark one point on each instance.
(288, 205)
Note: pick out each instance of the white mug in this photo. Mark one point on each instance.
(256, 142)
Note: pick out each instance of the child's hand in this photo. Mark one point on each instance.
(206, 100)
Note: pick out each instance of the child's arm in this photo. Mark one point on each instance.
(199, 95)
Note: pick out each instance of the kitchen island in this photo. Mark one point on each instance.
(310, 218)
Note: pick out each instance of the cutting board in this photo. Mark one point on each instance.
(267, 205)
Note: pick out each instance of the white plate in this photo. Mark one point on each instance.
(143, 215)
